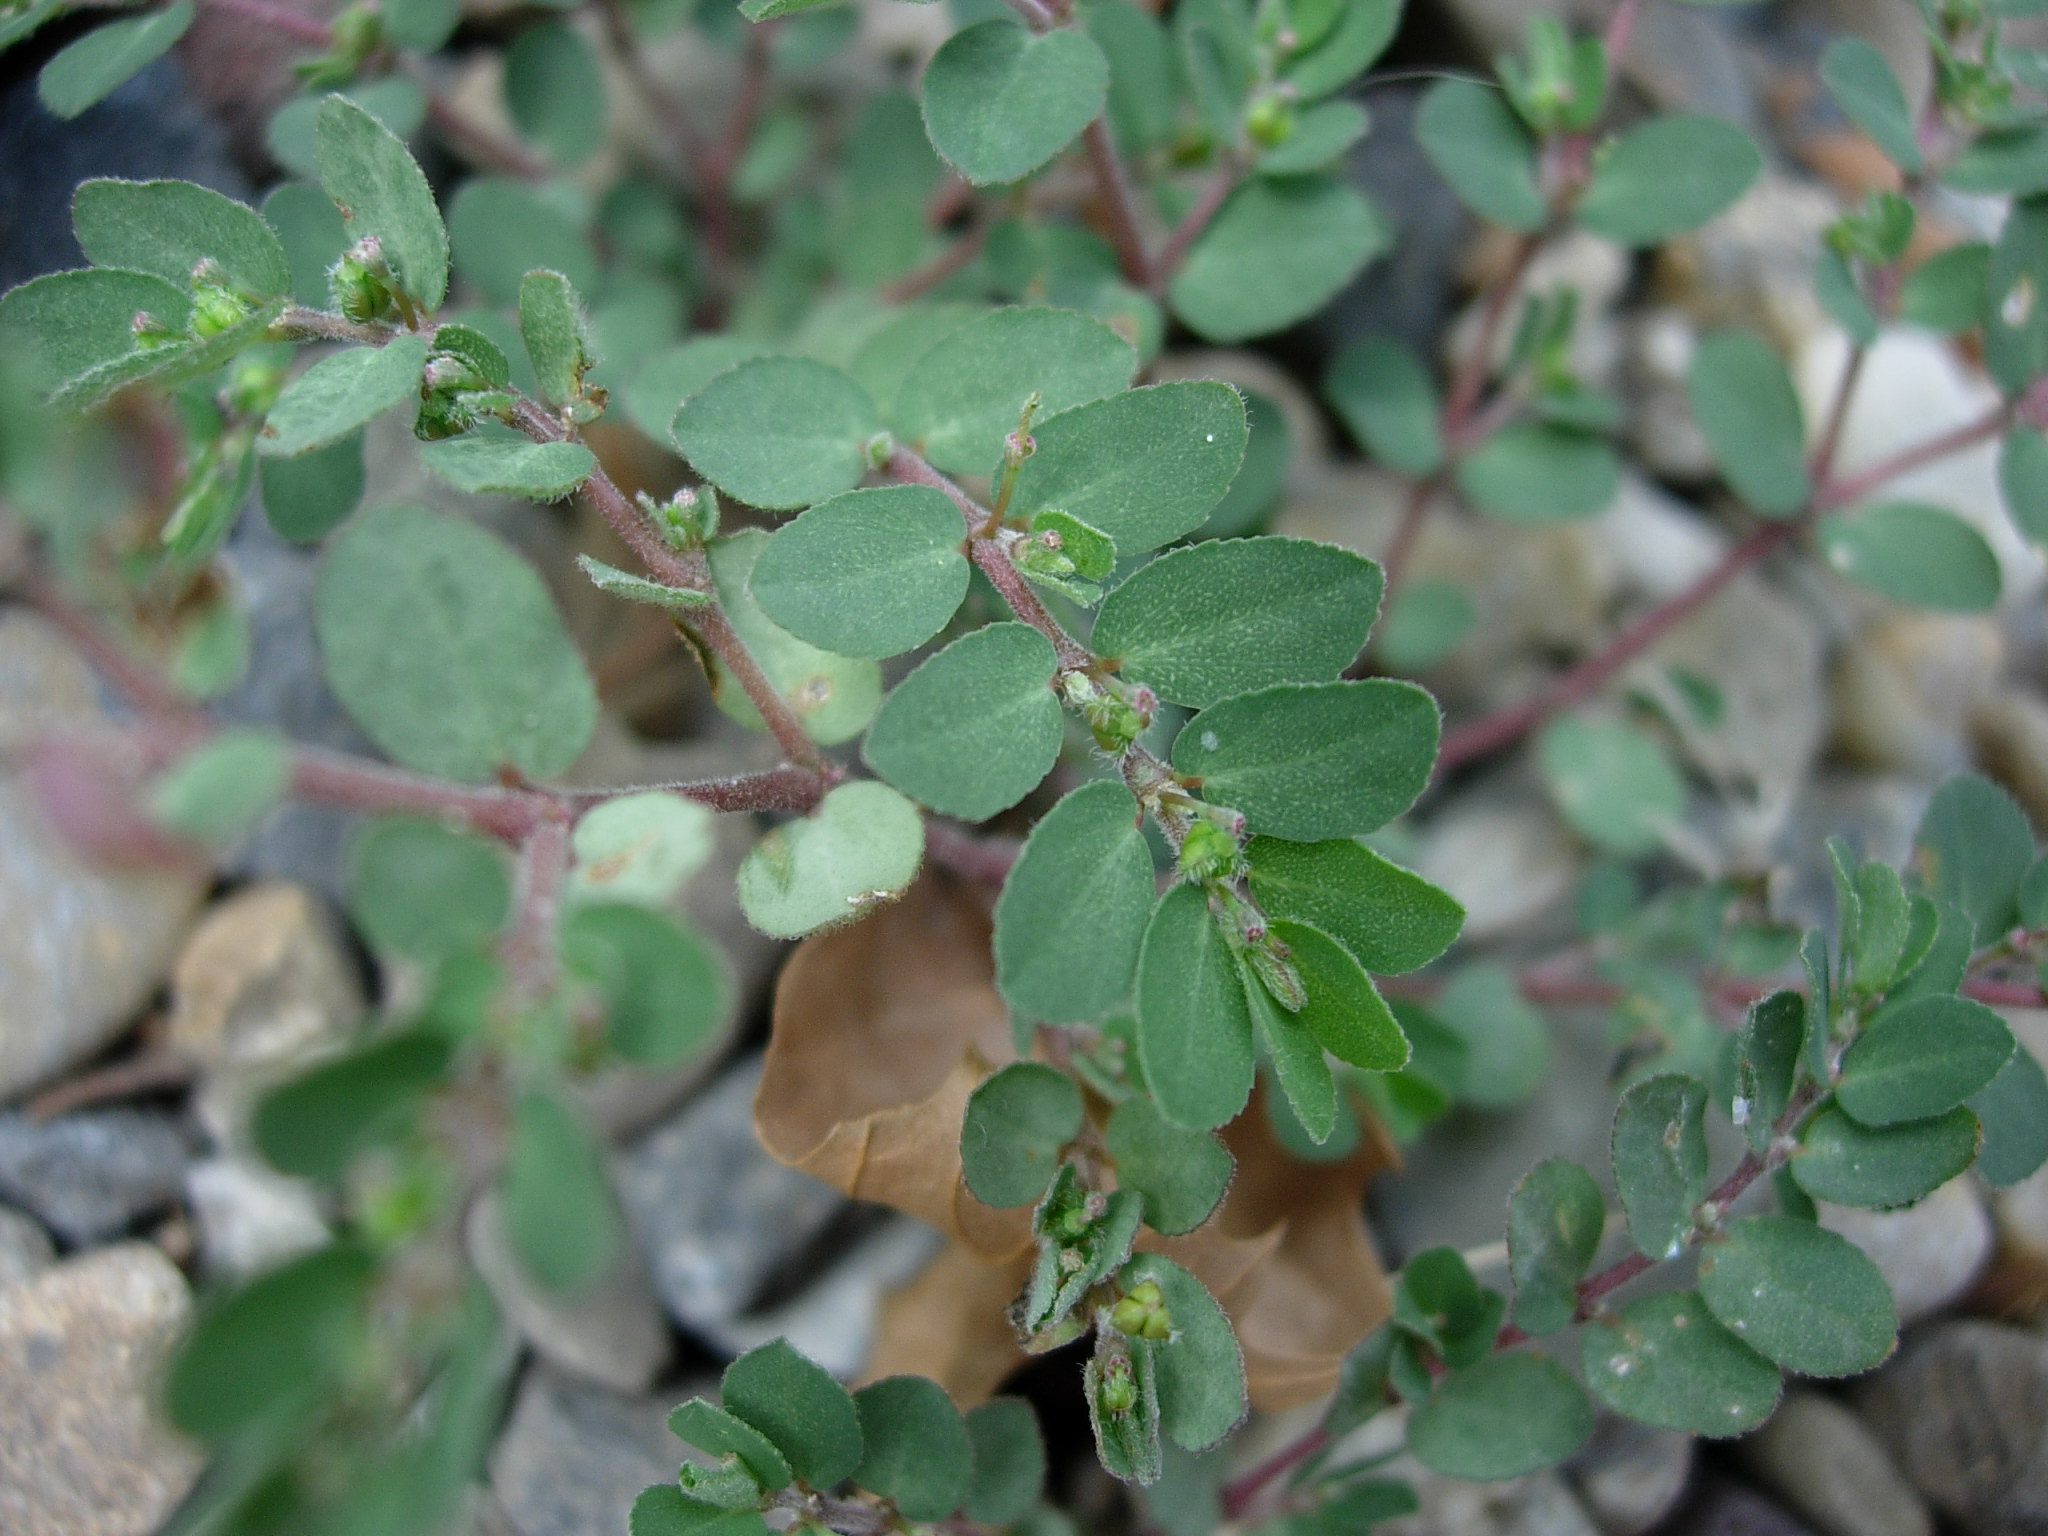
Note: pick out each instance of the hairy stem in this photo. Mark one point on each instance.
(711, 629)
(543, 868)
(922, 280)
(987, 859)
(299, 323)
(1853, 488)
(1194, 221)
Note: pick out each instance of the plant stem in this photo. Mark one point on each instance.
(1822, 464)
(474, 142)
(668, 108)
(298, 323)
(987, 859)
(1119, 202)
(922, 280)
(993, 558)
(543, 867)
(279, 18)
(1194, 221)
(713, 631)
(1238, 1493)
(1476, 367)
(1840, 493)
(1037, 16)
(1509, 725)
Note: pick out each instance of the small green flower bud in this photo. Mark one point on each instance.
(1117, 1392)
(1278, 975)
(1270, 120)
(152, 332)
(1208, 852)
(361, 282)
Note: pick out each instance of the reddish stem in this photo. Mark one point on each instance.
(1119, 202)
(715, 633)
(1239, 1492)
(1421, 495)
(1509, 725)
(934, 272)
(1476, 367)
(1852, 488)
(987, 859)
(1193, 222)
(543, 868)
(279, 18)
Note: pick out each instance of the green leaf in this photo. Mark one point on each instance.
(1344, 1009)
(1946, 292)
(2013, 1109)
(1660, 1160)
(1864, 86)
(1613, 783)
(24, 21)
(314, 1126)
(868, 573)
(501, 463)
(1201, 1368)
(1194, 1031)
(1849, 1164)
(1359, 35)
(1743, 399)
(1505, 1416)
(551, 326)
(342, 392)
(665, 989)
(639, 589)
(273, 1346)
(1914, 554)
(723, 1433)
(975, 728)
(1275, 252)
(1300, 1064)
(1317, 760)
(778, 431)
(665, 1510)
(2023, 478)
(1507, 1043)
(1767, 1065)
(1390, 919)
(64, 324)
(1666, 177)
(1555, 1218)
(1386, 397)
(1477, 144)
(381, 192)
(503, 229)
(423, 26)
(1883, 925)
(1229, 615)
(397, 101)
(1017, 1122)
(1835, 286)
(660, 385)
(420, 889)
(555, 92)
(1320, 135)
(1181, 1174)
(223, 787)
(1009, 1461)
(1973, 847)
(1533, 472)
(1438, 1303)
(1000, 102)
(861, 846)
(2005, 160)
(1664, 1361)
(507, 688)
(966, 394)
(1799, 1294)
(1126, 1434)
(169, 227)
(1073, 910)
(308, 497)
(2014, 318)
(559, 1211)
(640, 848)
(1144, 466)
(1921, 1060)
(833, 696)
(798, 1405)
(88, 70)
(918, 1453)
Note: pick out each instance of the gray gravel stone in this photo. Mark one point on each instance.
(1964, 1410)
(92, 1175)
(81, 1451)
(1825, 1463)
(613, 1334)
(1630, 1476)
(1930, 1254)
(81, 947)
(573, 1458)
(25, 1248)
(717, 1218)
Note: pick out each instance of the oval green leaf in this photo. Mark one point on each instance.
(1799, 1294)
(1533, 472)
(917, 1450)
(1181, 1174)
(1201, 1367)
(169, 227)
(999, 102)
(1229, 615)
(1743, 399)
(1275, 252)
(861, 846)
(1555, 1218)
(1660, 1160)
(1913, 554)
(382, 192)
(799, 1406)
(1922, 1059)
(1390, 919)
(342, 392)
(975, 728)
(1851, 1164)
(1017, 1122)
(1194, 1030)
(869, 573)
(1666, 177)
(833, 696)
(1314, 761)
(1664, 1361)
(1481, 148)
(1073, 911)
(1507, 1415)
(778, 432)
(1344, 1009)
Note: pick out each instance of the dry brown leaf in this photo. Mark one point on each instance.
(951, 1323)
(881, 1030)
